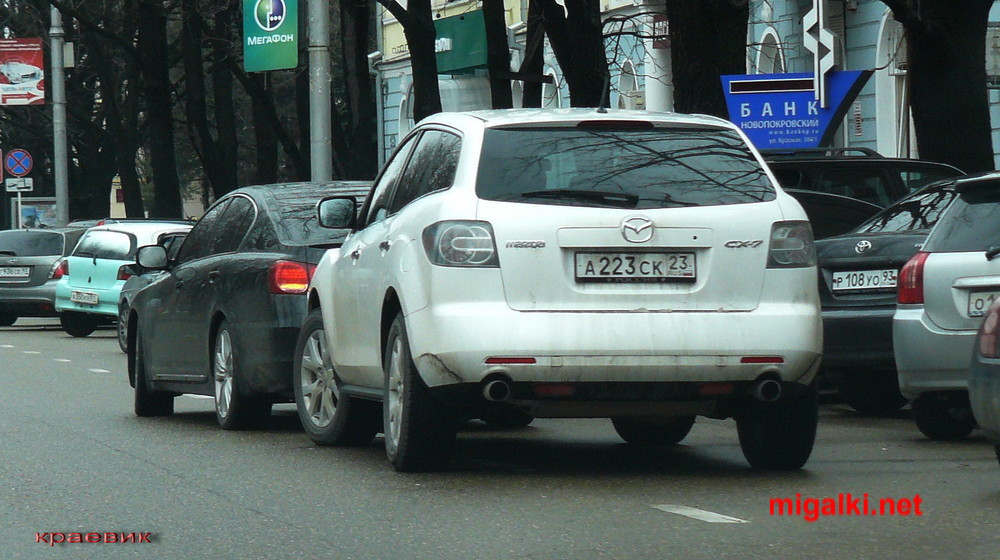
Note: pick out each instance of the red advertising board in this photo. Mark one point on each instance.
(22, 74)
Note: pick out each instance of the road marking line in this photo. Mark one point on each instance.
(699, 514)
(200, 396)
(30, 352)
(98, 370)
(6, 345)
(63, 360)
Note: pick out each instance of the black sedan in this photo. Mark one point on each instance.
(223, 318)
(858, 275)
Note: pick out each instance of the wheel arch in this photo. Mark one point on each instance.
(391, 306)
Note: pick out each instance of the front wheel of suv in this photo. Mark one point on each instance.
(944, 416)
(419, 431)
(780, 435)
(653, 431)
(328, 416)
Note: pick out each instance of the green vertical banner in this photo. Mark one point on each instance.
(270, 35)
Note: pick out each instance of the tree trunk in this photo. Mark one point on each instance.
(420, 36)
(577, 39)
(267, 144)
(534, 56)
(707, 40)
(946, 73)
(356, 23)
(497, 54)
(152, 49)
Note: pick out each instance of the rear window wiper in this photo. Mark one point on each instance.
(624, 200)
(992, 252)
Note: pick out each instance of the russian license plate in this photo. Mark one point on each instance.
(89, 298)
(15, 271)
(979, 302)
(635, 267)
(864, 280)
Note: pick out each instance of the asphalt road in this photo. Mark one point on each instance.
(74, 459)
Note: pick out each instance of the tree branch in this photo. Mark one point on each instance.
(396, 10)
(93, 27)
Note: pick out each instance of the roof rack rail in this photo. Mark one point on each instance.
(823, 152)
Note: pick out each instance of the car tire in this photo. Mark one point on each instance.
(419, 431)
(235, 409)
(872, 392)
(77, 324)
(328, 416)
(996, 449)
(780, 435)
(943, 416)
(148, 402)
(123, 326)
(653, 431)
(7, 319)
(506, 417)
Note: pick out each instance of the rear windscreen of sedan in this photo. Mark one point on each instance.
(17, 243)
(628, 167)
(915, 213)
(112, 245)
(971, 223)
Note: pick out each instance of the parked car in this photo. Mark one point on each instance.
(984, 377)
(570, 263)
(857, 287)
(856, 173)
(944, 291)
(30, 269)
(87, 294)
(140, 280)
(223, 317)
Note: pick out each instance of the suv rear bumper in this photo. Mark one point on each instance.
(451, 343)
(928, 358)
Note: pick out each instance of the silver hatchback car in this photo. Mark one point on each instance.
(944, 292)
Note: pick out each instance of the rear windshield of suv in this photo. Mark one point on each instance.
(972, 223)
(112, 245)
(17, 243)
(629, 168)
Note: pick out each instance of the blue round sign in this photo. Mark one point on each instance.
(18, 162)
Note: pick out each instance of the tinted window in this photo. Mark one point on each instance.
(865, 183)
(114, 245)
(30, 243)
(199, 241)
(383, 188)
(172, 243)
(915, 179)
(916, 212)
(971, 223)
(233, 225)
(431, 168)
(634, 168)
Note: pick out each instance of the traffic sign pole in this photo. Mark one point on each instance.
(19, 216)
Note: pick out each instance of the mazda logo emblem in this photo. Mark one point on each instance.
(637, 229)
(863, 246)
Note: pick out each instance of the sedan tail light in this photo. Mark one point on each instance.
(289, 277)
(988, 333)
(791, 246)
(911, 280)
(125, 272)
(59, 269)
(461, 243)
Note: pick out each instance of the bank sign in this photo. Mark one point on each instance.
(780, 111)
(270, 35)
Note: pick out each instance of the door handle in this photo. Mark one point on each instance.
(213, 276)
(384, 245)
(179, 285)
(355, 254)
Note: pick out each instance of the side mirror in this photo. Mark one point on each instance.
(152, 257)
(337, 212)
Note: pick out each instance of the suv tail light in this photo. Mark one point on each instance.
(59, 269)
(125, 272)
(289, 277)
(911, 280)
(988, 333)
(791, 245)
(461, 243)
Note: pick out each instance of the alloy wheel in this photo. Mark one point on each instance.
(222, 372)
(395, 392)
(320, 393)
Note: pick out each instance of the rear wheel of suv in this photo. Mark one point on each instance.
(780, 435)
(148, 402)
(77, 324)
(944, 416)
(872, 392)
(234, 409)
(419, 431)
(328, 416)
(7, 319)
(653, 431)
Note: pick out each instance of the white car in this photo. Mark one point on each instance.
(637, 266)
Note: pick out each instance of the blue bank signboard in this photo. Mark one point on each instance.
(780, 111)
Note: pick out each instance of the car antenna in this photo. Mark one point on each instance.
(602, 107)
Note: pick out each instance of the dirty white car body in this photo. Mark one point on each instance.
(561, 300)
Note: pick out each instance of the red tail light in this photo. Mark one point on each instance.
(988, 333)
(287, 277)
(125, 272)
(60, 269)
(911, 280)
